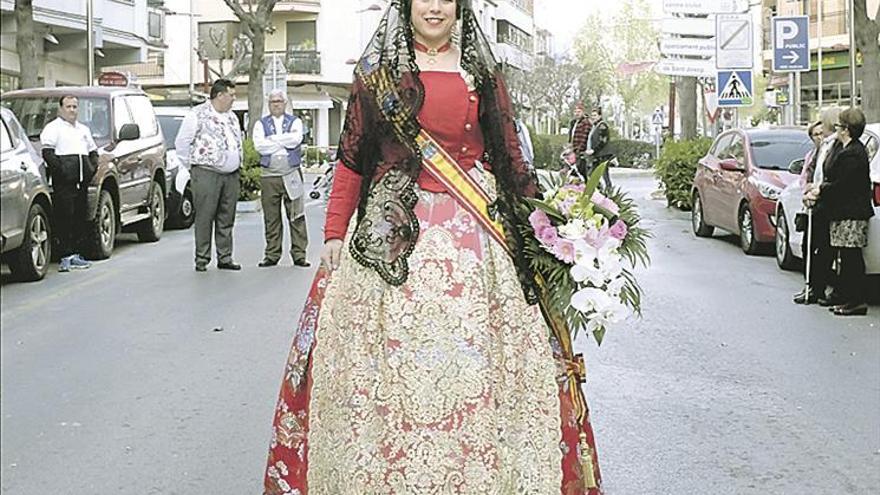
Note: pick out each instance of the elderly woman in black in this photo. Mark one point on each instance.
(845, 193)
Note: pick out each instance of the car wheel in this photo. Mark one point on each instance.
(187, 211)
(747, 231)
(150, 230)
(314, 194)
(701, 228)
(102, 232)
(784, 257)
(31, 260)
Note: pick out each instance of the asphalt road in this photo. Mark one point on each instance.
(115, 380)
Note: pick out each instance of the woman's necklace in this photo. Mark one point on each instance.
(431, 52)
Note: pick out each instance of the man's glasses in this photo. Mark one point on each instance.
(276, 101)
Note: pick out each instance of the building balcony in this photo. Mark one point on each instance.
(303, 61)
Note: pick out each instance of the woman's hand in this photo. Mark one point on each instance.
(331, 254)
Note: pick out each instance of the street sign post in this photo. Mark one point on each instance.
(688, 47)
(685, 67)
(735, 88)
(791, 43)
(704, 6)
(733, 41)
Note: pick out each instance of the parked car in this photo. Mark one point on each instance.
(127, 192)
(25, 203)
(179, 199)
(789, 244)
(738, 181)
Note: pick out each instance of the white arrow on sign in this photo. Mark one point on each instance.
(792, 57)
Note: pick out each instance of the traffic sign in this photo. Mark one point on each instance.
(791, 43)
(735, 88)
(704, 6)
(685, 67)
(733, 41)
(688, 26)
(688, 47)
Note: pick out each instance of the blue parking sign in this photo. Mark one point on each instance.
(791, 43)
(734, 88)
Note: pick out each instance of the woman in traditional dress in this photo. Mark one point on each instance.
(419, 366)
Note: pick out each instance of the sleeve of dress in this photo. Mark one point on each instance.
(343, 201)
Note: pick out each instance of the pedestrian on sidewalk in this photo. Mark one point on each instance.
(846, 193)
(209, 144)
(596, 143)
(72, 158)
(821, 280)
(278, 138)
(418, 365)
(578, 137)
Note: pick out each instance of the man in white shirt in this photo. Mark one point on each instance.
(72, 157)
(209, 144)
(277, 138)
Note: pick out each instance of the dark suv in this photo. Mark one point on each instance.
(127, 192)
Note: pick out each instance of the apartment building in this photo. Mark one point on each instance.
(834, 38)
(125, 31)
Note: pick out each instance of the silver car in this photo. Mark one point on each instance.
(26, 237)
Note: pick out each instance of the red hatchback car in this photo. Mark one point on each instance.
(737, 183)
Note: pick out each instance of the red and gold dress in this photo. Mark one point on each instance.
(447, 384)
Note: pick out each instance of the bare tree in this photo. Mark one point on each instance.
(26, 43)
(255, 23)
(867, 32)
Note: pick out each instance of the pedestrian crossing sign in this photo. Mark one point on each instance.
(735, 88)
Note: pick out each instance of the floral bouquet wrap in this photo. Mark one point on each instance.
(582, 244)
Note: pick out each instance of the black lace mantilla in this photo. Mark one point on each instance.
(386, 234)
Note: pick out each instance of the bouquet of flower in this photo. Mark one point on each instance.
(578, 241)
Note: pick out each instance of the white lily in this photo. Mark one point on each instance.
(573, 230)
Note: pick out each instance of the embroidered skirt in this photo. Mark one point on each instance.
(448, 384)
(849, 233)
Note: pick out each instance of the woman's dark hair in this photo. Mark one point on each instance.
(813, 127)
(854, 120)
(221, 86)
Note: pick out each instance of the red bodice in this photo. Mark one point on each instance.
(450, 113)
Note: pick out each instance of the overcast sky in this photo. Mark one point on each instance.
(563, 18)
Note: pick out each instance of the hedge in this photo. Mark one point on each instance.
(676, 168)
(250, 173)
(629, 153)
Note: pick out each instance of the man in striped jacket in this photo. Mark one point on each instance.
(578, 136)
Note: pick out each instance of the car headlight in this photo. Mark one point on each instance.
(766, 190)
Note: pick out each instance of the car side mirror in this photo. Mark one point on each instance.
(129, 132)
(796, 166)
(730, 164)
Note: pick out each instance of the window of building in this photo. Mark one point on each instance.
(512, 35)
(154, 25)
(302, 36)
(216, 39)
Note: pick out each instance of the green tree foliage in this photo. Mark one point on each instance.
(635, 40)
